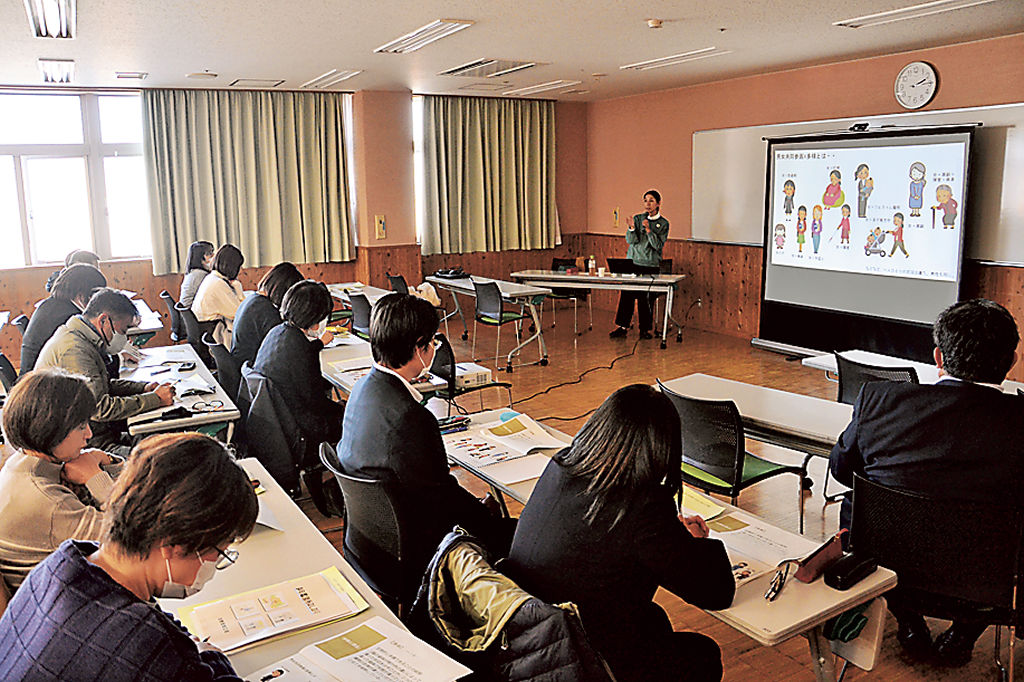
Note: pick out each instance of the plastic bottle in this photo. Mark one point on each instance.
(591, 265)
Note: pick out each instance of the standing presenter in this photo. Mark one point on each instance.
(646, 237)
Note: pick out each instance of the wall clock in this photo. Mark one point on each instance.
(916, 85)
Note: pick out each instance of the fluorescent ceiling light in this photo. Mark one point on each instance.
(326, 80)
(541, 87)
(672, 60)
(913, 12)
(57, 70)
(435, 30)
(132, 75)
(52, 18)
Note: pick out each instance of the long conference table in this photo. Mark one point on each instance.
(801, 609)
(654, 284)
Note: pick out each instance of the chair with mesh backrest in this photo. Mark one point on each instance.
(490, 310)
(952, 559)
(229, 372)
(398, 284)
(373, 541)
(195, 330)
(444, 366)
(569, 294)
(8, 375)
(178, 333)
(21, 323)
(360, 324)
(714, 449)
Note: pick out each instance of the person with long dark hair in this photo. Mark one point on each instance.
(221, 293)
(197, 267)
(602, 530)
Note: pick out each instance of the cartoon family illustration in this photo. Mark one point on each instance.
(876, 238)
(834, 195)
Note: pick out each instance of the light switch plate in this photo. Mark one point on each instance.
(380, 225)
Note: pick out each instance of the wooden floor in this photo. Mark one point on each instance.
(774, 499)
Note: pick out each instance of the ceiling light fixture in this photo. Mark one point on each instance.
(201, 75)
(488, 68)
(60, 71)
(424, 35)
(913, 12)
(542, 87)
(52, 18)
(674, 59)
(326, 80)
(132, 75)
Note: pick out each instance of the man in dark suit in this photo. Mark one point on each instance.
(389, 435)
(958, 438)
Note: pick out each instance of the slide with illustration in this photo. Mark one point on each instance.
(894, 210)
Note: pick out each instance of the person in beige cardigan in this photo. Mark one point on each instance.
(221, 293)
(52, 487)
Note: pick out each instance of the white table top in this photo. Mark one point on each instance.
(588, 281)
(150, 363)
(926, 373)
(509, 290)
(340, 291)
(350, 356)
(149, 319)
(769, 411)
(270, 556)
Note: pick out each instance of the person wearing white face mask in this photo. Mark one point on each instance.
(87, 612)
(388, 435)
(290, 358)
(81, 346)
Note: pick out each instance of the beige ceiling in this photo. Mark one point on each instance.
(297, 40)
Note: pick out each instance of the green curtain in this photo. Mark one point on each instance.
(490, 174)
(265, 171)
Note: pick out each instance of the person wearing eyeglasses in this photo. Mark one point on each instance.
(388, 435)
(602, 530)
(88, 611)
(290, 357)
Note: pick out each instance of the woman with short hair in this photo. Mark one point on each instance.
(68, 296)
(52, 487)
(197, 267)
(221, 293)
(88, 611)
(259, 313)
(602, 530)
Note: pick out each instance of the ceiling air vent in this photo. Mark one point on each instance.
(488, 68)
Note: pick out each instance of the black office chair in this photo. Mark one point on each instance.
(8, 375)
(360, 315)
(178, 333)
(398, 284)
(373, 541)
(490, 310)
(21, 322)
(567, 294)
(195, 330)
(715, 459)
(952, 559)
(229, 372)
(444, 366)
(852, 376)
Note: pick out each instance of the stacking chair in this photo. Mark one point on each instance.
(714, 450)
(565, 294)
(444, 367)
(360, 315)
(373, 541)
(195, 330)
(852, 376)
(8, 375)
(21, 322)
(229, 372)
(398, 284)
(952, 559)
(177, 324)
(490, 310)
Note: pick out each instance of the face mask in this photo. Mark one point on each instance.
(173, 590)
(425, 366)
(117, 341)
(318, 332)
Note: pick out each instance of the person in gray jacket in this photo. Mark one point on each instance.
(80, 346)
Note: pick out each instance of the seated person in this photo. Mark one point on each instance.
(290, 357)
(221, 293)
(197, 267)
(602, 530)
(81, 346)
(388, 435)
(87, 612)
(52, 488)
(68, 296)
(956, 439)
(259, 313)
(76, 256)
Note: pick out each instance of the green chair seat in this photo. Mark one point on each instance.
(506, 316)
(754, 469)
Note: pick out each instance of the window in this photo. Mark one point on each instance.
(71, 177)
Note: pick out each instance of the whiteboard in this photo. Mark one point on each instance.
(729, 177)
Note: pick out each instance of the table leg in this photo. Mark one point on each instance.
(458, 309)
(537, 334)
(822, 659)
